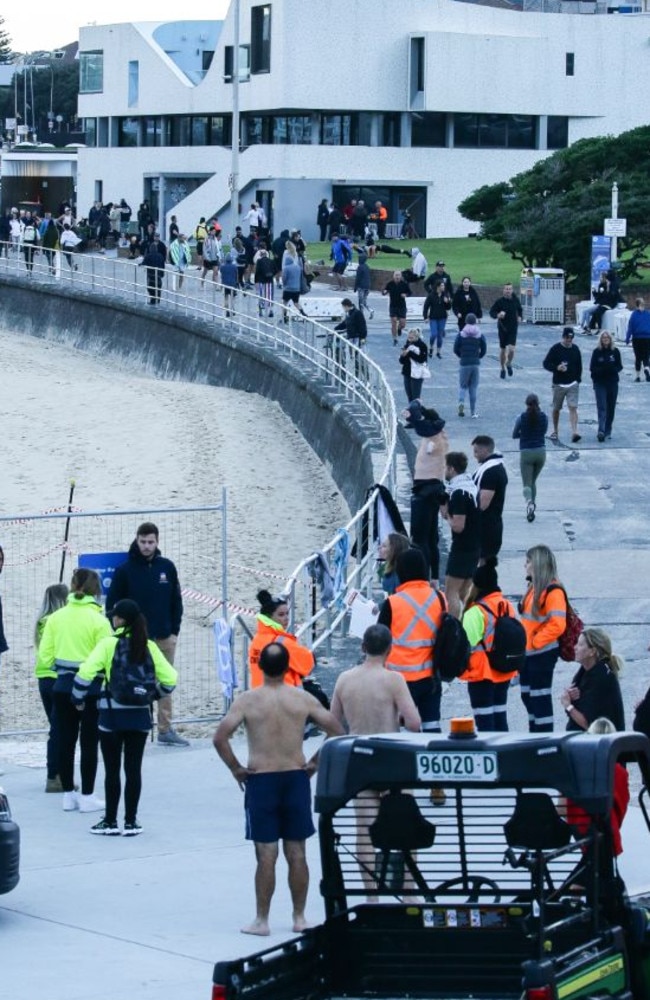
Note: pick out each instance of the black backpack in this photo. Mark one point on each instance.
(451, 649)
(508, 651)
(131, 683)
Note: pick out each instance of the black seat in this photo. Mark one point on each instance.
(400, 827)
(536, 824)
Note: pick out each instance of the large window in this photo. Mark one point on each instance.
(90, 130)
(177, 130)
(128, 132)
(293, 130)
(336, 130)
(91, 72)
(261, 39)
(244, 63)
(391, 129)
(557, 132)
(494, 131)
(152, 131)
(220, 130)
(428, 128)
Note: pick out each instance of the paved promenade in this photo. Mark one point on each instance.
(131, 919)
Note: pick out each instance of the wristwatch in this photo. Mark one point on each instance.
(569, 709)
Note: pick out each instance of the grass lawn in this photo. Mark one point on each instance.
(482, 260)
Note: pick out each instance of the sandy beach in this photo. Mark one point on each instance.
(134, 442)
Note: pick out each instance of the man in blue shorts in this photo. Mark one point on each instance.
(276, 780)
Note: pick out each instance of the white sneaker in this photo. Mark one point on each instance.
(70, 801)
(89, 804)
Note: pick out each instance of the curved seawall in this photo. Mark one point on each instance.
(174, 347)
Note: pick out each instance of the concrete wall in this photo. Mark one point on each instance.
(189, 350)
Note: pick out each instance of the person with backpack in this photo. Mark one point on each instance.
(498, 642)
(200, 235)
(414, 614)
(135, 673)
(543, 610)
(29, 241)
(69, 636)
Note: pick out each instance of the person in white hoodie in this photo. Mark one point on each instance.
(469, 347)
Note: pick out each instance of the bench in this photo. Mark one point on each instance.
(322, 308)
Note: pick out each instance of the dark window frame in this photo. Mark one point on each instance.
(260, 58)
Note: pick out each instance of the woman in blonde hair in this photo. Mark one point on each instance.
(594, 691)
(543, 615)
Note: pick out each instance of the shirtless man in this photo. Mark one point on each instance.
(371, 699)
(276, 779)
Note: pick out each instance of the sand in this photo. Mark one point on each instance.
(134, 442)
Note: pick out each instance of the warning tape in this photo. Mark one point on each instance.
(22, 521)
(215, 602)
(258, 572)
(61, 546)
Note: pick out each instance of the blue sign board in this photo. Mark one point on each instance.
(104, 563)
(601, 257)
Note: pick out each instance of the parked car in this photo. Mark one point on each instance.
(9, 847)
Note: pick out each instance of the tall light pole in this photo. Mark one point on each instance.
(614, 254)
(234, 168)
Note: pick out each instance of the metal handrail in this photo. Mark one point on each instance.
(314, 349)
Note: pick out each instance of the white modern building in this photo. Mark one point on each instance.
(416, 103)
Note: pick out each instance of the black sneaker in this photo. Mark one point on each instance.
(530, 511)
(509, 370)
(503, 373)
(105, 829)
(131, 829)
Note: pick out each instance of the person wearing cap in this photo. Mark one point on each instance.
(487, 688)
(418, 269)
(564, 361)
(414, 614)
(123, 729)
(428, 482)
(507, 312)
(438, 275)
(151, 580)
(272, 622)
(69, 636)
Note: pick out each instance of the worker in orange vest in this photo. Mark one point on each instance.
(272, 622)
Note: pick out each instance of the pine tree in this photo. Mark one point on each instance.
(6, 53)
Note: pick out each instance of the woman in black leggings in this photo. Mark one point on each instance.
(136, 664)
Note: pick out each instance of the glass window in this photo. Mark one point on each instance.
(465, 130)
(522, 131)
(91, 72)
(336, 130)
(493, 131)
(417, 66)
(570, 63)
(261, 39)
(257, 129)
(152, 131)
(364, 128)
(127, 132)
(557, 134)
(177, 130)
(428, 128)
(134, 82)
(102, 132)
(90, 130)
(199, 130)
(220, 130)
(391, 131)
(244, 63)
(206, 59)
(299, 130)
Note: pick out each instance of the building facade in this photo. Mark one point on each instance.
(416, 104)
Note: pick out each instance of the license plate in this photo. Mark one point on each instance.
(457, 766)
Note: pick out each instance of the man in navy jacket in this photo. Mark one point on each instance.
(150, 580)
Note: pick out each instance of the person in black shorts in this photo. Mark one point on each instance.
(397, 290)
(507, 312)
(461, 512)
(276, 779)
(491, 481)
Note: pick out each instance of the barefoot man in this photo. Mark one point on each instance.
(276, 780)
(370, 699)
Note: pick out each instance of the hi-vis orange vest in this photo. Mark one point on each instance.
(301, 659)
(416, 613)
(478, 668)
(544, 629)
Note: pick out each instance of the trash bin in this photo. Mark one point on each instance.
(541, 290)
